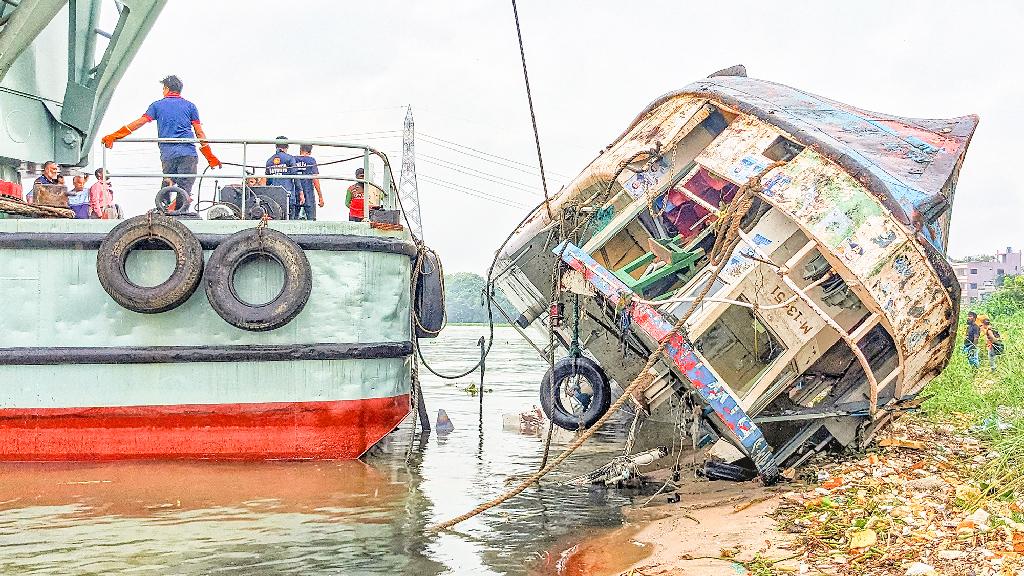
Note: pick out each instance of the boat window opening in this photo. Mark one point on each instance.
(781, 382)
(739, 347)
(676, 309)
(629, 244)
(622, 210)
(836, 372)
(717, 121)
(685, 218)
(811, 389)
(789, 247)
(149, 263)
(832, 292)
(940, 338)
(782, 150)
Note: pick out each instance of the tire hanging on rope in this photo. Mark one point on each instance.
(155, 229)
(242, 247)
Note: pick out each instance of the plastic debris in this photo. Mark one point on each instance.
(444, 424)
(921, 569)
(863, 538)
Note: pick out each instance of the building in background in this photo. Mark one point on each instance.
(980, 276)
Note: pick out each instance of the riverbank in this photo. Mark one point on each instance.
(939, 492)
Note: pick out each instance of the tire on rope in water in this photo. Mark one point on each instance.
(129, 235)
(551, 391)
(238, 249)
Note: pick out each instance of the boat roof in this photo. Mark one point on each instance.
(906, 162)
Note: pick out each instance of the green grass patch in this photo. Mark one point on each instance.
(990, 403)
(978, 394)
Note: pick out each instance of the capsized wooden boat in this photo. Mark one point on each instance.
(834, 310)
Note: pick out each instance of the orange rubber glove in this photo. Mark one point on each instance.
(210, 158)
(121, 132)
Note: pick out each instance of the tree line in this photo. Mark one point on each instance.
(464, 301)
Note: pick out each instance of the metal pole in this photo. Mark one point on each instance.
(387, 189)
(421, 407)
(245, 184)
(483, 356)
(366, 189)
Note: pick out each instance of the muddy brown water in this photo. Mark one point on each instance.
(325, 517)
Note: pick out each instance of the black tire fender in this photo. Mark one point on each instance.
(555, 378)
(172, 194)
(429, 302)
(236, 250)
(128, 235)
(267, 206)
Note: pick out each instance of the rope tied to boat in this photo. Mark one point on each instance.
(729, 241)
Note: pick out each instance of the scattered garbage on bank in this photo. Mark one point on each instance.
(911, 507)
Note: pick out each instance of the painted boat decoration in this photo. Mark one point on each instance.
(248, 339)
(834, 309)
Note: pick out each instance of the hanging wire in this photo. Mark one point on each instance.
(533, 116)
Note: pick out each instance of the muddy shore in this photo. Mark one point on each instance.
(714, 529)
(909, 505)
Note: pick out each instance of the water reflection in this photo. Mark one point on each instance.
(320, 517)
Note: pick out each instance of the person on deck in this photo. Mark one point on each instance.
(48, 177)
(175, 118)
(78, 198)
(101, 199)
(306, 165)
(354, 199)
(283, 164)
(971, 339)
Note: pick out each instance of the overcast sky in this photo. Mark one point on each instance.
(320, 69)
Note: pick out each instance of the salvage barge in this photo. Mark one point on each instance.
(831, 313)
(165, 338)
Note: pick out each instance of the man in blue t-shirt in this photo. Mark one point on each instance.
(283, 164)
(175, 118)
(305, 165)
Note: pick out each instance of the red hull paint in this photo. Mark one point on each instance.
(337, 430)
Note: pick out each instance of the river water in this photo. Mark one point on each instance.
(363, 517)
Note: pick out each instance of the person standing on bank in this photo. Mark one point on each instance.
(175, 118)
(971, 340)
(305, 165)
(995, 343)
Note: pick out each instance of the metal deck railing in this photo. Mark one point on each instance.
(387, 187)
